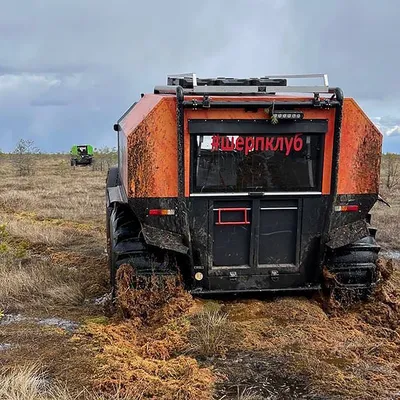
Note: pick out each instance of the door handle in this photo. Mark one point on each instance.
(256, 194)
(245, 221)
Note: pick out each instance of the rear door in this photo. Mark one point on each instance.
(253, 236)
(254, 176)
(277, 233)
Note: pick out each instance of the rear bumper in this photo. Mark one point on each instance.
(253, 284)
(204, 292)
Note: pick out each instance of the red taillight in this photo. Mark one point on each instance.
(161, 211)
(347, 208)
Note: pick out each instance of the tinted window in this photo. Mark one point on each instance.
(225, 163)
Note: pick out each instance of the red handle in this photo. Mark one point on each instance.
(244, 222)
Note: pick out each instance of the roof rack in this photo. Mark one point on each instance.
(270, 84)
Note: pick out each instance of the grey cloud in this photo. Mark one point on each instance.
(41, 69)
(388, 120)
(389, 125)
(394, 131)
(48, 103)
(104, 54)
(352, 41)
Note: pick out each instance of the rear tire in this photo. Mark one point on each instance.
(354, 268)
(127, 246)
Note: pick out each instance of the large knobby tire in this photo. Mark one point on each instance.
(354, 268)
(125, 246)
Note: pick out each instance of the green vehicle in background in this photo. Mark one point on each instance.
(81, 155)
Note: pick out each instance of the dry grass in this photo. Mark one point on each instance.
(31, 383)
(37, 283)
(336, 354)
(53, 260)
(385, 218)
(143, 354)
(43, 217)
(39, 233)
(148, 361)
(55, 191)
(249, 394)
(211, 333)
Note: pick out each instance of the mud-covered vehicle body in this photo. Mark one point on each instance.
(246, 185)
(81, 154)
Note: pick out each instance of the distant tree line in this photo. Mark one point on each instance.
(104, 158)
(391, 168)
(25, 156)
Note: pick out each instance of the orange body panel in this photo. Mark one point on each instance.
(360, 152)
(150, 130)
(151, 136)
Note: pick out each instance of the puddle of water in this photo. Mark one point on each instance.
(69, 326)
(264, 375)
(395, 254)
(59, 323)
(103, 300)
(12, 319)
(5, 346)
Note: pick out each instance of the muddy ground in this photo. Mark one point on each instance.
(54, 313)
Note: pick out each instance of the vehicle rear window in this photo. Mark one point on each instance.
(265, 163)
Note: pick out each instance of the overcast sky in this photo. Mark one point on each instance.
(70, 68)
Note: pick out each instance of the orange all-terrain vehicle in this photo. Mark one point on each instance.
(244, 185)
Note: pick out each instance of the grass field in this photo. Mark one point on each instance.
(386, 219)
(59, 341)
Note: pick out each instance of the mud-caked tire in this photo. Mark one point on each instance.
(352, 269)
(125, 245)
